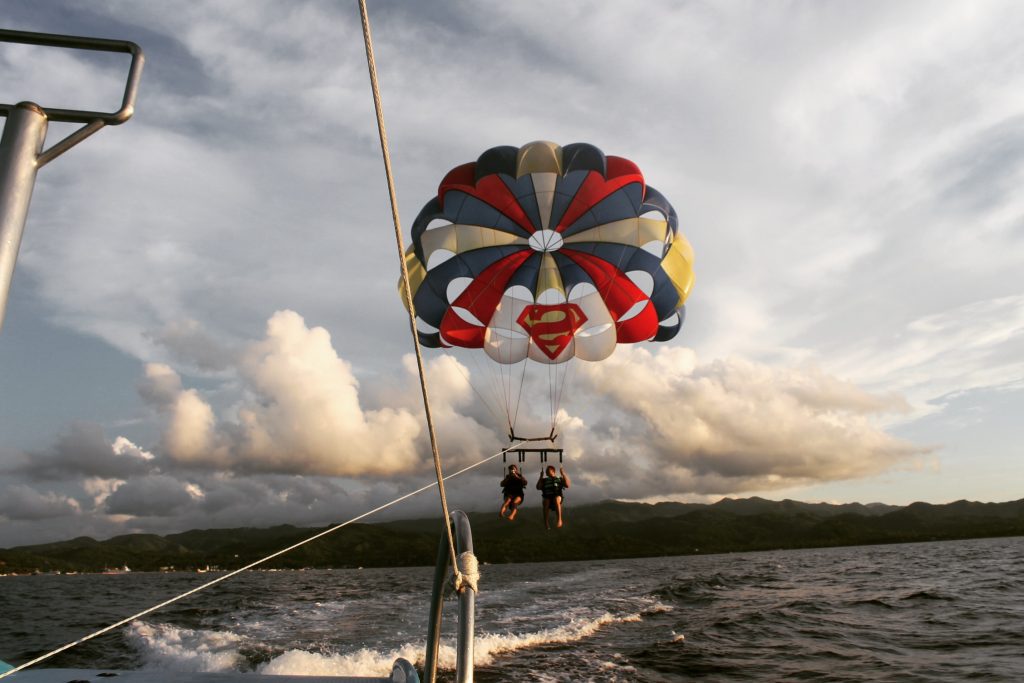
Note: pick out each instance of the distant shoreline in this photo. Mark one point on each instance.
(359, 568)
(601, 531)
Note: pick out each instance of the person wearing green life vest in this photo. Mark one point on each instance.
(551, 488)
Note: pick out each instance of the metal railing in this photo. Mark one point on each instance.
(21, 147)
(467, 607)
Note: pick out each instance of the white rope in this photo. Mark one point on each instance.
(406, 287)
(468, 575)
(227, 576)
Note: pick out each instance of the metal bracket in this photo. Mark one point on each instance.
(93, 120)
(24, 135)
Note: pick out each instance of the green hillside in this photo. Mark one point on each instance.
(600, 531)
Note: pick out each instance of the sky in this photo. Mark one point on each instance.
(204, 329)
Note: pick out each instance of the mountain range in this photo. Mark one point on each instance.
(605, 530)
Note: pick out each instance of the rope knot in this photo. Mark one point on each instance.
(466, 574)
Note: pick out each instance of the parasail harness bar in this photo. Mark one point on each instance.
(512, 436)
(544, 452)
(523, 452)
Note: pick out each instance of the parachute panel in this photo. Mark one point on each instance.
(548, 253)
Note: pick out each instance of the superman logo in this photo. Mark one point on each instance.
(551, 327)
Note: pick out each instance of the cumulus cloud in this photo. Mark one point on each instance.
(99, 489)
(668, 424)
(190, 436)
(640, 423)
(160, 385)
(301, 413)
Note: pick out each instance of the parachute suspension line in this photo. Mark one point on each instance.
(560, 374)
(487, 373)
(491, 381)
(233, 573)
(519, 397)
(555, 394)
(488, 403)
(505, 372)
(489, 390)
(494, 376)
(406, 287)
(552, 378)
(570, 369)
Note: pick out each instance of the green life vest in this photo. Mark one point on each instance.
(553, 486)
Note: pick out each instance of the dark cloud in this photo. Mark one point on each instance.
(150, 496)
(191, 345)
(21, 502)
(85, 451)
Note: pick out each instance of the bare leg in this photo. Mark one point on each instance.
(515, 507)
(504, 507)
(558, 508)
(546, 510)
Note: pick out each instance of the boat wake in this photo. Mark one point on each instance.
(195, 650)
(183, 649)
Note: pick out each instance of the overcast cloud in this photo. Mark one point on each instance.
(848, 174)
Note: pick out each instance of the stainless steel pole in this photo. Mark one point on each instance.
(464, 645)
(22, 142)
(436, 613)
(467, 605)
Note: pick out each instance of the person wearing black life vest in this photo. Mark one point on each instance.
(551, 488)
(513, 488)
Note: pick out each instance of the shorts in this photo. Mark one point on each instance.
(549, 501)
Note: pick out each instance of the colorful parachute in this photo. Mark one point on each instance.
(548, 253)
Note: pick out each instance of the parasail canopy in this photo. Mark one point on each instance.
(548, 253)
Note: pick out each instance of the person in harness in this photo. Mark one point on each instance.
(513, 488)
(551, 488)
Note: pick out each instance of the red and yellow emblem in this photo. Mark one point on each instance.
(551, 327)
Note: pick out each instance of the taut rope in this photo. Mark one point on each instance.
(406, 288)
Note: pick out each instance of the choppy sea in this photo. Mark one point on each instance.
(949, 611)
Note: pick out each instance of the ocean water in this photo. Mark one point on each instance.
(950, 611)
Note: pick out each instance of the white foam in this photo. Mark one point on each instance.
(367, 662)
(489, 645)
(658, 608)
(182, 649)
(362, 662)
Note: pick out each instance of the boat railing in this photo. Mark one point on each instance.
(24, 136)
(463, 534)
